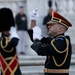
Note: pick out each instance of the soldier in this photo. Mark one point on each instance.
(57, 47)
(8, 42)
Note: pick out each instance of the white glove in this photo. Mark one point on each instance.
(13, 33)
(36, 33)
(34, 15)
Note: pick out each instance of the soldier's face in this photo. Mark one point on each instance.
(53, 30)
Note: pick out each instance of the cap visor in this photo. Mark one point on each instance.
(51, 22)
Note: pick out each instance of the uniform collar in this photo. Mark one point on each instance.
(58, 35)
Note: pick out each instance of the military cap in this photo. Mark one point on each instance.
(57, 18)
(6, 19)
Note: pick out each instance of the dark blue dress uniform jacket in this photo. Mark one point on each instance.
(7, 52)
(57, 50)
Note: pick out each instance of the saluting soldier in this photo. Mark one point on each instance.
(57, 47)
(8, 42)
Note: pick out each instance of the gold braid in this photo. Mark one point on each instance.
(66, 50)
(7, 41)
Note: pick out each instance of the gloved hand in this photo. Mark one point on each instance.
(36, 33)
(13, 33)
(34, 15)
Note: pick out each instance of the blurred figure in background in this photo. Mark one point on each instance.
(47, 18)
(21, 22)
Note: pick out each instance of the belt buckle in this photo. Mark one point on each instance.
(45, 70)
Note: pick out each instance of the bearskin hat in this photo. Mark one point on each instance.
(6, 19)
